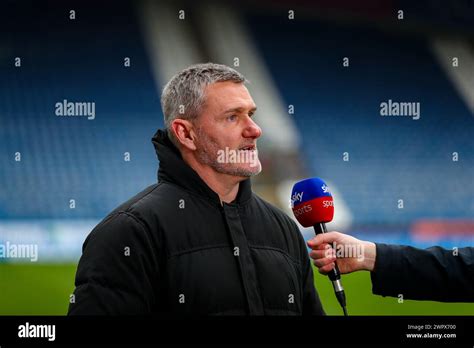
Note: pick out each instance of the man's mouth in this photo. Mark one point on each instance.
(248, 148)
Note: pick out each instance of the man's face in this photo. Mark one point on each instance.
(226, 134)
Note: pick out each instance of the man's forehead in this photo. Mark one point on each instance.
(229, 96)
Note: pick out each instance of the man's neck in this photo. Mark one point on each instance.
(226, 186)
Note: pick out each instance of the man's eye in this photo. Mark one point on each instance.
(232, 117)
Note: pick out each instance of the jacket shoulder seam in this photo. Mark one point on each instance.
(129, 210)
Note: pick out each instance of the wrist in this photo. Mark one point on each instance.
(370, 252)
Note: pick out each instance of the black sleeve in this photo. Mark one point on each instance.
(118, 269)
(311, 302)
(434, 274)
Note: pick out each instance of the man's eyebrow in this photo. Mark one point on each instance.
(240, 109)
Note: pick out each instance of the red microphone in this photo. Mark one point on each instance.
(313, 205)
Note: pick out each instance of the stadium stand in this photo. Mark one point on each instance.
(80, 159)
(337, 110)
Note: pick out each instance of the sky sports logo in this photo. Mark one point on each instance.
(327, 204)
(37, 331)
(298, 197)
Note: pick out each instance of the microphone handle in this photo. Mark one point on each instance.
(334, 274)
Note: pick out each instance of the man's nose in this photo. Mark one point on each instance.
(252, 130)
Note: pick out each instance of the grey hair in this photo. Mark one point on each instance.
(184, 95)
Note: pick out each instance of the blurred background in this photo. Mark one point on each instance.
(318, 71)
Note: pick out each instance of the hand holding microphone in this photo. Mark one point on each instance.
(435, 274)
(324, 255)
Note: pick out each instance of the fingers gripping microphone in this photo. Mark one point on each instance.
(312, 205)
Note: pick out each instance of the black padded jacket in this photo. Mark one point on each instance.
(174, 249)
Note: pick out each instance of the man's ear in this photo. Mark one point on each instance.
(184, 132)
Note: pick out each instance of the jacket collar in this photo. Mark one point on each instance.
(173, 169)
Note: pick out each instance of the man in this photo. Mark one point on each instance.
(199, 242)
(434, 274)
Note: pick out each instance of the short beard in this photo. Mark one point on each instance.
(207, 153)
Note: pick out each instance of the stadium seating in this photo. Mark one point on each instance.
(64, 158)
(337, 110)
